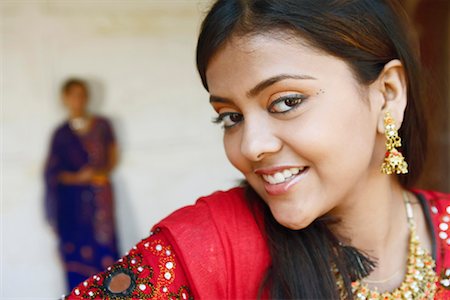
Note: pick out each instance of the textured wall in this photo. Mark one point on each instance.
(139, 55)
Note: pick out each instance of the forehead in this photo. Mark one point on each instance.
(76, 88)
(244, 61)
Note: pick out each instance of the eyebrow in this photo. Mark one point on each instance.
(272, 80)
(216, 99)
(263, 85)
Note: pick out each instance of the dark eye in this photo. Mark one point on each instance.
(286, 103)
(229, 119)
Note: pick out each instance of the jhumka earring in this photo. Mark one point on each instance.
(394, 162)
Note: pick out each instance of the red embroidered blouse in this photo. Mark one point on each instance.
(215, 250)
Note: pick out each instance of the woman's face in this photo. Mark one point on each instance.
(297, 123)
(75, 100)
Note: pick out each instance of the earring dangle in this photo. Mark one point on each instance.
(394, 162)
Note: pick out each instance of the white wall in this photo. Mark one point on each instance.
(139, 55)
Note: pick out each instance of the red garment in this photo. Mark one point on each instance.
(437, 207)
(216, 250)
(221, 246)
(154, 268)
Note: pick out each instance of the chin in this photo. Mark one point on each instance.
(287, 212)
(292, 218)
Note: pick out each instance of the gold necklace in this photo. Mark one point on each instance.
(420, 279)
(79, 124)
(382, 280)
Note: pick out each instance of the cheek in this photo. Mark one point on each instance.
(232, 144)
(354, 141)
(81, 101)
(70, 103)
(339, 148)
(232, 150)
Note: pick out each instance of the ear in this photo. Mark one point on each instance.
(391, 91)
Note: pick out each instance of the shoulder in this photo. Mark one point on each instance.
(103, 124)
(61, 127)
(218, 240)
(231, 199)
(437, 202)
(204, 250)
(150, 270)
(437, 207)
(216, 208)
(61, 131)
(99, 119)
(210, 220)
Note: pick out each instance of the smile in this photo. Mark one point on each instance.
(281, 176)
(279, 180)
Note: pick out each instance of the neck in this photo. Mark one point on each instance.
(374, 218)
(75, 115)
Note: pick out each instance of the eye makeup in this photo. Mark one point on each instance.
(287, 103)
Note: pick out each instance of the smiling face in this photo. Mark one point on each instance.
(298, 125)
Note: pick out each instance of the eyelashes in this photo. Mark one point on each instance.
(228, 119)
(286, 103)
(282, 105)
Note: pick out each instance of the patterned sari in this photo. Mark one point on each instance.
(81, 215)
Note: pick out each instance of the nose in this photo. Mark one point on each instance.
(259, 139)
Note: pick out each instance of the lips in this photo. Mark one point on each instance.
(279, 180)
(281, 176)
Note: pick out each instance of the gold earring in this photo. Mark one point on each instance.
(394, 162)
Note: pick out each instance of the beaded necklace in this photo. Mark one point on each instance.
(420, 279)
(79, 123)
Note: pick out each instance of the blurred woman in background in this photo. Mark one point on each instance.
(79, 200)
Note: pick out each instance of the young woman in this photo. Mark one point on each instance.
(79, 203)
(321, 104)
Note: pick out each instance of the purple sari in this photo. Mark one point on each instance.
(82, 215)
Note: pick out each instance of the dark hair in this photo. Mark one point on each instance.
(366, 34)
(71, 82)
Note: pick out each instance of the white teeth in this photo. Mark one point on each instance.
(295, 171)
(270, 179)
(287, 173)
(280, 177)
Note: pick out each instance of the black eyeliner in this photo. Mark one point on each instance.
(288, 97)
(220, 117)
(217, 120)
